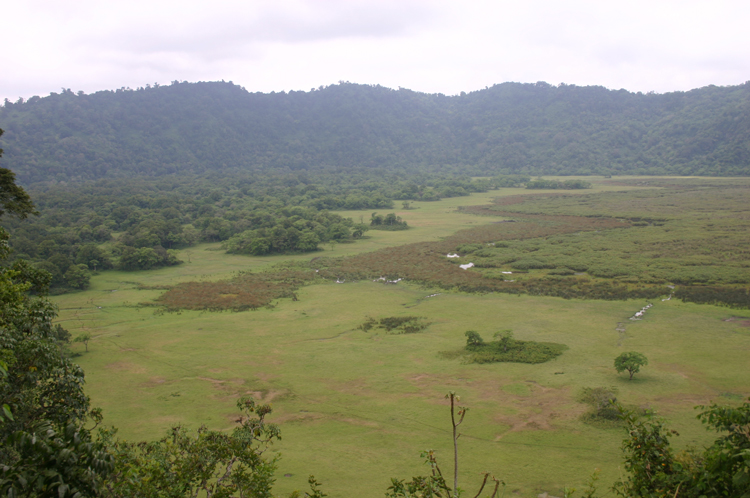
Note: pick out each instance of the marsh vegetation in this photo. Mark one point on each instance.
(301, 349)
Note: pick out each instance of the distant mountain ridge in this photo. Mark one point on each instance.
(507, 128)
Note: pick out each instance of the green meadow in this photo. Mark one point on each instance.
(356, 408)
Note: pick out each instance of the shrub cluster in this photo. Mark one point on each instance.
(603, 410)
(387, 222)
(396, 324)
(508, 349)
(557, 184)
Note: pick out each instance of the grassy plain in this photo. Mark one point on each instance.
(356, 408)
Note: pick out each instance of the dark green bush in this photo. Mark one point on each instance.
(508, 349)
(602, 402)
(562, 272)
(396, 324)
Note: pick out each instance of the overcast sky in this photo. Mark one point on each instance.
(445, 46)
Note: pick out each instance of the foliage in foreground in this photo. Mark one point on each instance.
(208, 463)
(655, 470)
(45, 450)
(434, 485)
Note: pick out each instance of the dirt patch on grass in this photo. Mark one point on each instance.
(229, 388)
(234, 388)
(267, 396)
(154, 382)
(742, 321)
(536, 407)
(275, 395)
(440, 382)
(539, 409)
(300, 417)
(223, 384)
(265, 377)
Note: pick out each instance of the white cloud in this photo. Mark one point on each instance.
(427, 45)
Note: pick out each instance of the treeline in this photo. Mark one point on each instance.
(557, 184)
(135, 224)
(511, 128)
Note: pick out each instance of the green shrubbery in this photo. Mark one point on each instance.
(557, 184)
(388, 222)
(507, 349)
(733, 297)
(602, 411)
(396, 324)
(655, 469)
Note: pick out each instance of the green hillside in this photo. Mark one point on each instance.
(506, 129)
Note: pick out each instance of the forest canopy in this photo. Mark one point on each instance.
(510, 128)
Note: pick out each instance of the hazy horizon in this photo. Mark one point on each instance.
(434, 46)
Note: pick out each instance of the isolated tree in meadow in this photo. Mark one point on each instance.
(84, 338)
(630, 361)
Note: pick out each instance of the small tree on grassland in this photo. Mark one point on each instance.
(84, 338)
(630, 361)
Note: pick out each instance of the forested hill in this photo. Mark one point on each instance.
(508, 128)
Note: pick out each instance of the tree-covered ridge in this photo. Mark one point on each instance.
(508, 128)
